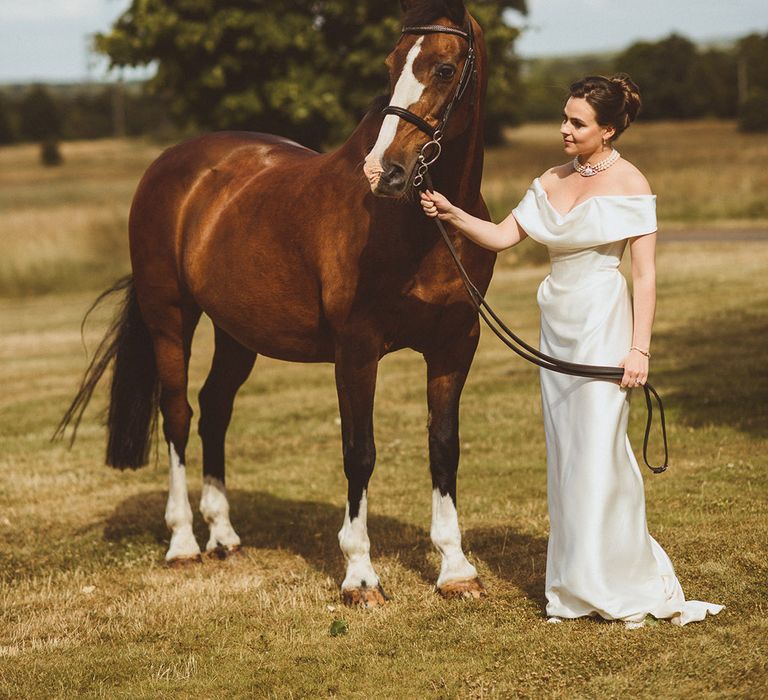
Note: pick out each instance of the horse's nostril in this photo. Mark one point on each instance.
(394, 175)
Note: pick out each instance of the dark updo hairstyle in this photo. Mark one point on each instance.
(616, 100)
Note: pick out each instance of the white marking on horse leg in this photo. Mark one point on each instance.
(408, 90)
(178, 514)
(215, 509)
(446, 536)
(354, 542)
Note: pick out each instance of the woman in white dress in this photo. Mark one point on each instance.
(601, 560)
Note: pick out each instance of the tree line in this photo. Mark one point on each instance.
(41, 113)
(264, 75)
(677, 80)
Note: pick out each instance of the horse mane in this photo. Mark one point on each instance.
(428, 11)
(377, 104)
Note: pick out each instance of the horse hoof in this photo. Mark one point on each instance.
(367, 597)
(469, 590)
(220, 552)
(184, 562)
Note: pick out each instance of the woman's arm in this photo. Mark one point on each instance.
(643, 251)
(485, 233)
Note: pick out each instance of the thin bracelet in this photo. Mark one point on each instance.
(641, 351)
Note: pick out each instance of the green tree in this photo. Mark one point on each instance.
(40, 118)
(304, 68)
(664, 72)
(752, 58)
(714, 84)
(547, 80)
(7, 132)
(752, 52)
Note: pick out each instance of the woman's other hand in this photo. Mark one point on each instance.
(635, 366)
(435, 204)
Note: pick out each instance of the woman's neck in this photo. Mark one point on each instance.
(595, 156)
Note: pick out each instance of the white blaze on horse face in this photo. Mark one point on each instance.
(178, 514)
(408, 90)
(354, 542)
(215, 509)
(446, 536)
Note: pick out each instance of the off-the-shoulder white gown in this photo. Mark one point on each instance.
(601, 560)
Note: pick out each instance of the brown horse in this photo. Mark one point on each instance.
(308, 257)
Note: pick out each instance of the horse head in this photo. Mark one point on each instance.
(433, 75)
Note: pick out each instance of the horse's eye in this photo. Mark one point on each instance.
(445, 72)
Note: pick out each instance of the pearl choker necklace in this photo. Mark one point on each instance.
(588, 170)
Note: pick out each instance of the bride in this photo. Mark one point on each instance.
(601, 560)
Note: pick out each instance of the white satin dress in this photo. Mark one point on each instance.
(601, 560)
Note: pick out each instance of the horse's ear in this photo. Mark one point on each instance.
(456, 10)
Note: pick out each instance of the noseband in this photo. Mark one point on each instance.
(468, 74)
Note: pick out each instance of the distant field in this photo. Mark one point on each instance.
(64, 229)
(704, 172)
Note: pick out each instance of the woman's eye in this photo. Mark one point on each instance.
(445, 72)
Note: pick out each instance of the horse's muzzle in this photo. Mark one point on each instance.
(392, 182)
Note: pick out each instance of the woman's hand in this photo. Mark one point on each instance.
(635, 366)
(436, 205)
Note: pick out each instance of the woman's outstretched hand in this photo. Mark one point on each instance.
(435, 204)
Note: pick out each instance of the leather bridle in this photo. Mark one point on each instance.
(422, 180)
(468, 74)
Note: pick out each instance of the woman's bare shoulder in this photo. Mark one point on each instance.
(628, 178)
(553, 175)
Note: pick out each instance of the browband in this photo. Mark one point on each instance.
(432, 28)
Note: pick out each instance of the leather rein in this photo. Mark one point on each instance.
(422, 180)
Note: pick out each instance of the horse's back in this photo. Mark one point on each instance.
(195, 175)
(178, 170)
(203, 231)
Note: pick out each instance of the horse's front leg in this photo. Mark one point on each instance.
(356, 368)
(446, 374)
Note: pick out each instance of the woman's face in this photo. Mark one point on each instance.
(581, 133)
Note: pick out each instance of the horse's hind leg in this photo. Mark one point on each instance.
(446, 373)
(172, 327)
(232, 363)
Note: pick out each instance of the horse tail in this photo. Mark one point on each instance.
(134, 394)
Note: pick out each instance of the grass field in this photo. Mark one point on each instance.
(89, 610)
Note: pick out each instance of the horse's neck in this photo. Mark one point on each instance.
(458, 173)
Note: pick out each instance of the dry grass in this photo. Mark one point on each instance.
(64, 228)
(89, 610)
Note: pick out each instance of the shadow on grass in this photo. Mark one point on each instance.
(308, 528)
(719, 375)
(518, 558)
(264, 521)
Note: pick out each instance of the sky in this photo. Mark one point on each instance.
(47, 40)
